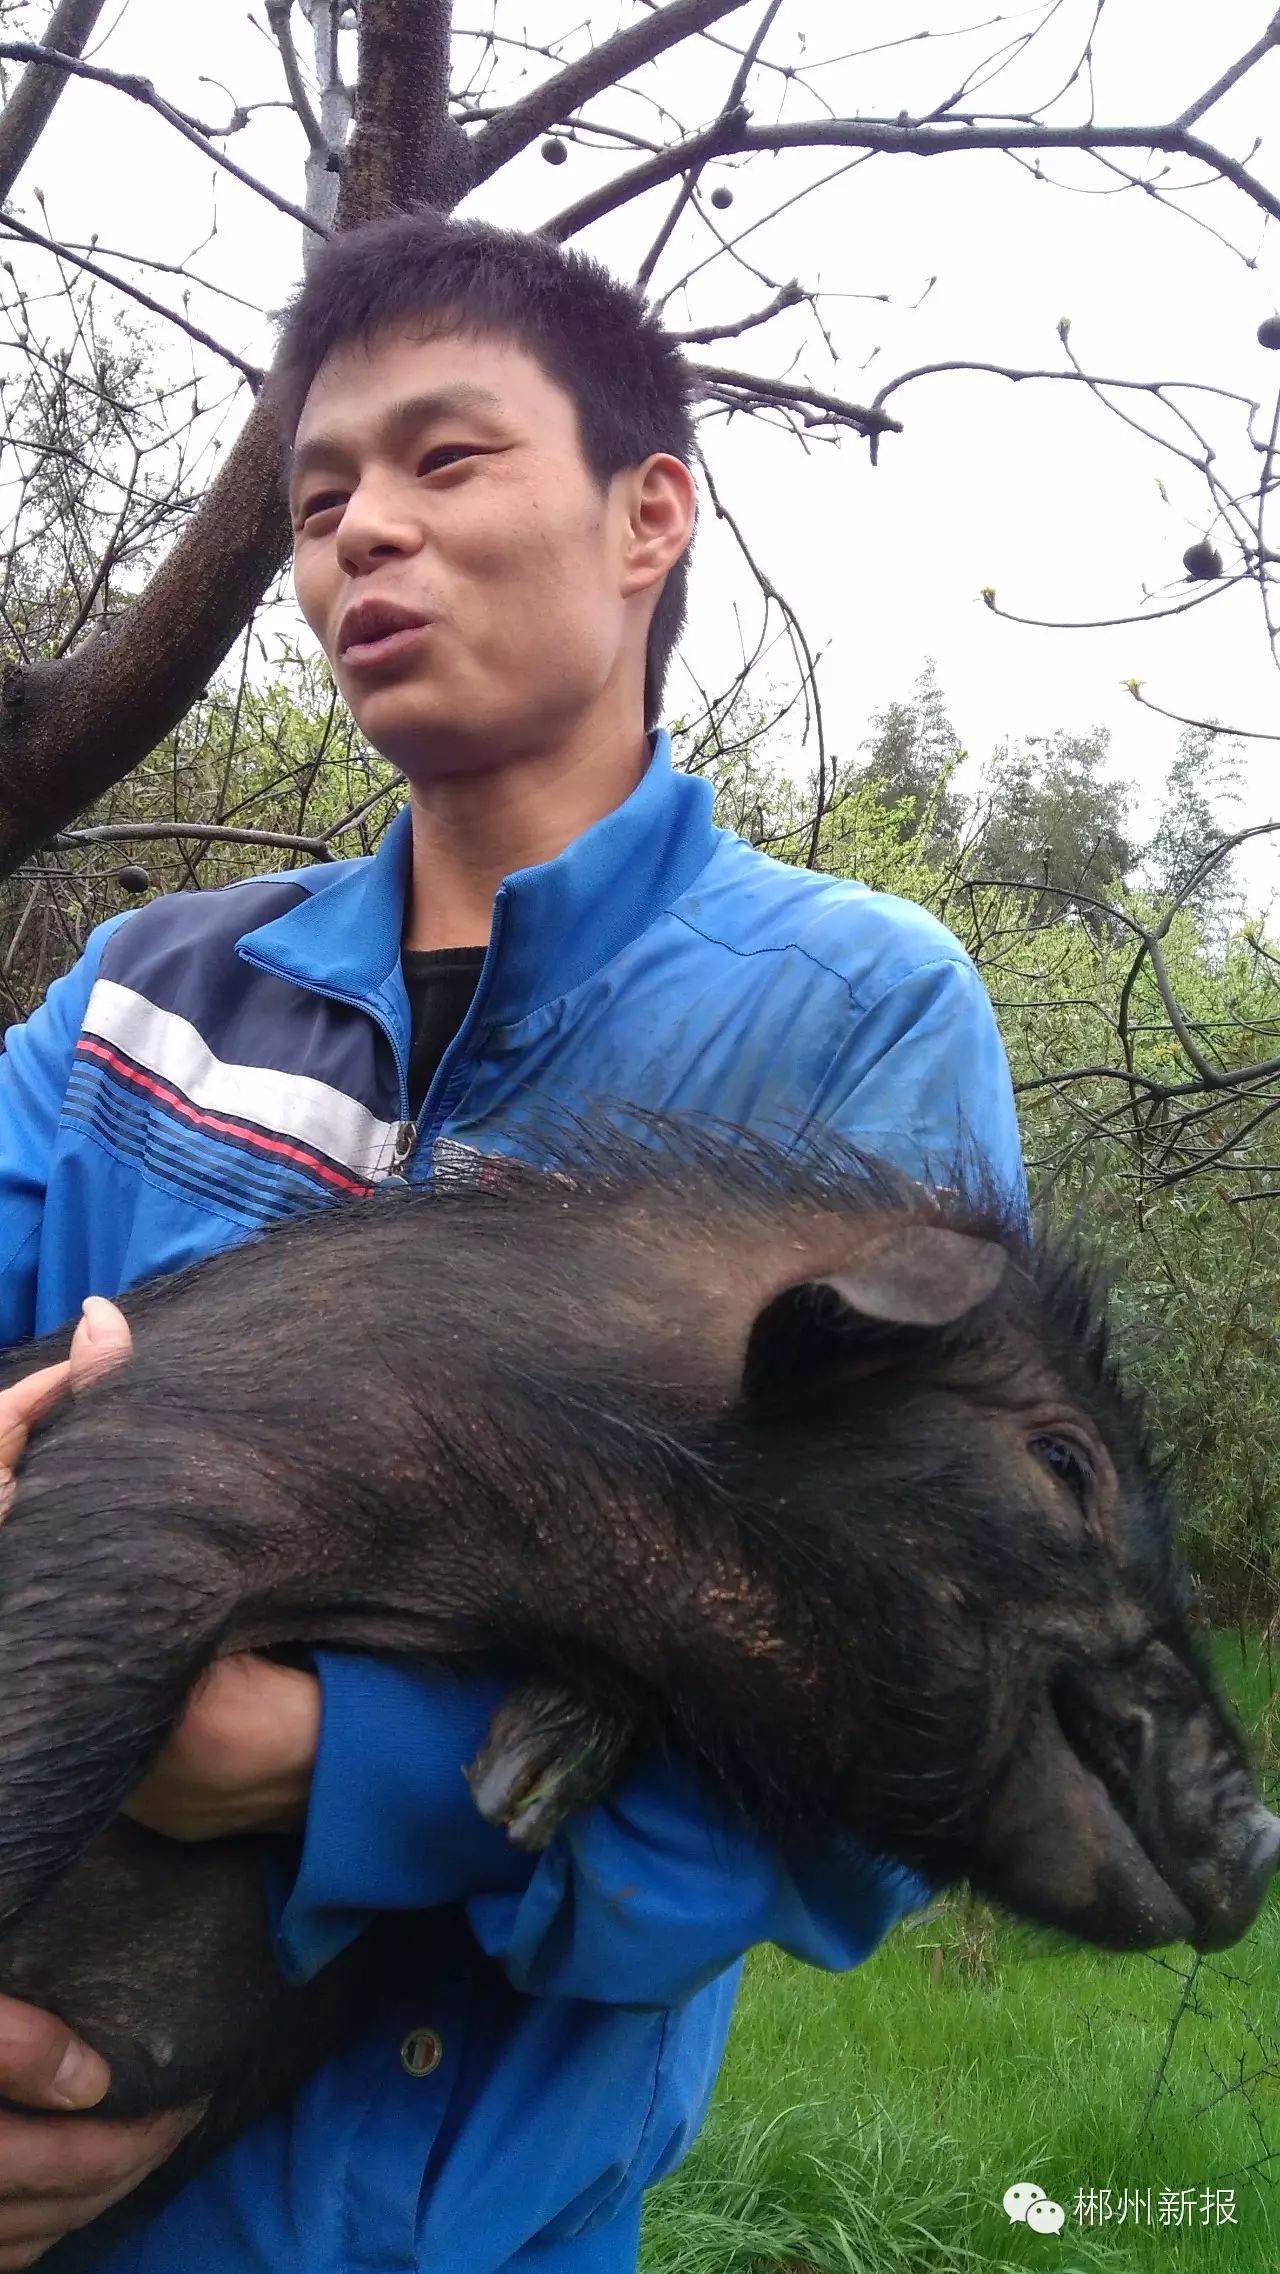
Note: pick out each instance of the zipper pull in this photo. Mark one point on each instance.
(406, 1139)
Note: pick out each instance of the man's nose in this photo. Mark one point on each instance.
(377, 524)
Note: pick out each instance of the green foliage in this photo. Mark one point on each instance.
(912, 751)
(1056, 820)
(1176, 1191)
(278, 753)
(1203, 778)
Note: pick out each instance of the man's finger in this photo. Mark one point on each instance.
(43, 2065)
(25, 1403)
(101, 1342)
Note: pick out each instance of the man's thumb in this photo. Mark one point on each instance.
(101, 1341)
(43, 2065)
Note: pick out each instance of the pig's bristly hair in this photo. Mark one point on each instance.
(557, 1396)
(711, 1171)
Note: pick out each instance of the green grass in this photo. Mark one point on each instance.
(869, 2123)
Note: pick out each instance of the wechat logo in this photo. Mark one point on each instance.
(1028, 2205)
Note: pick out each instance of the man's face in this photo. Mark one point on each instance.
(472, 588)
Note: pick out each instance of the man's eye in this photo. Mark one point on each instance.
(447, 454)
(322, 502)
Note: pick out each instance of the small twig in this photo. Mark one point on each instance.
(211, 832)
(1211, 95)
(1107, 623)
(141, 91)
(786, 296)
(1207, 726)
(863, 419)
(278, 14)
(23, 230)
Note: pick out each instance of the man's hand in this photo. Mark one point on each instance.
(240, 1759)
(56, 2177)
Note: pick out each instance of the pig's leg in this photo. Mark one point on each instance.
(550, 1752)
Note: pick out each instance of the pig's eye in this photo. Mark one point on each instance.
(1068, 1464)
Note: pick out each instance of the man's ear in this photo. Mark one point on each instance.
(912, 1276)
(663, 509)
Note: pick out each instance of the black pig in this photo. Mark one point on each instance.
(779, 1460)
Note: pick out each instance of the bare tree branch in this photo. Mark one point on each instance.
(605, 64)
(1207, 726)
(278, 14)
(405, 149)
(326, 161)
(899, 138)
(749, 387)
(803, 650)
(141, 91)
(787, 296)
(1108, 623)
(1252, 55)
(690, 181)
(206, 832)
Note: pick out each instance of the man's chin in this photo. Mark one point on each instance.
(410, 730)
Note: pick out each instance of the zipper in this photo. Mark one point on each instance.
(406, 1139)
(450, 1075)
(445, 1090)
(406, 1133)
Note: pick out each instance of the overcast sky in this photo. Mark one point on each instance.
(1032, 489)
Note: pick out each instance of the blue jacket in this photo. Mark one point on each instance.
(214, 1061)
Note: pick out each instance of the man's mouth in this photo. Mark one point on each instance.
(375, 632)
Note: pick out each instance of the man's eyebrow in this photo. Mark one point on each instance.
(462, 401)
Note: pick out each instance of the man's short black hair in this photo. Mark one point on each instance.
(592, 335)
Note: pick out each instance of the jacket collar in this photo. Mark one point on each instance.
(553, 925)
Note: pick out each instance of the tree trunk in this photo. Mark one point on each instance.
(71, 728)
(30, 106)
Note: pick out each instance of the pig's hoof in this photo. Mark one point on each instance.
(548, 1754)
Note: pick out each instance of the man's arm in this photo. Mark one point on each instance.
(57, 2177)
(638, 1901)
(35, 1066)
(922, 1078)
(52, 2177)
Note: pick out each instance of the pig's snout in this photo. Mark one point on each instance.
(1173, 1768)
(1230, 1898)
(1129, 1814)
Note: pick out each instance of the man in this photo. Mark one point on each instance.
(492, 507)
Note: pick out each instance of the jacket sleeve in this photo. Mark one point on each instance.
(35, 1067)
(642, 1900)
(922, 1078)
(639, 1901)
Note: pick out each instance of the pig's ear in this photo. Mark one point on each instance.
(916, 1275)
(921, 1275)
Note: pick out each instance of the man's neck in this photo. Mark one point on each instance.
(472, 830)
